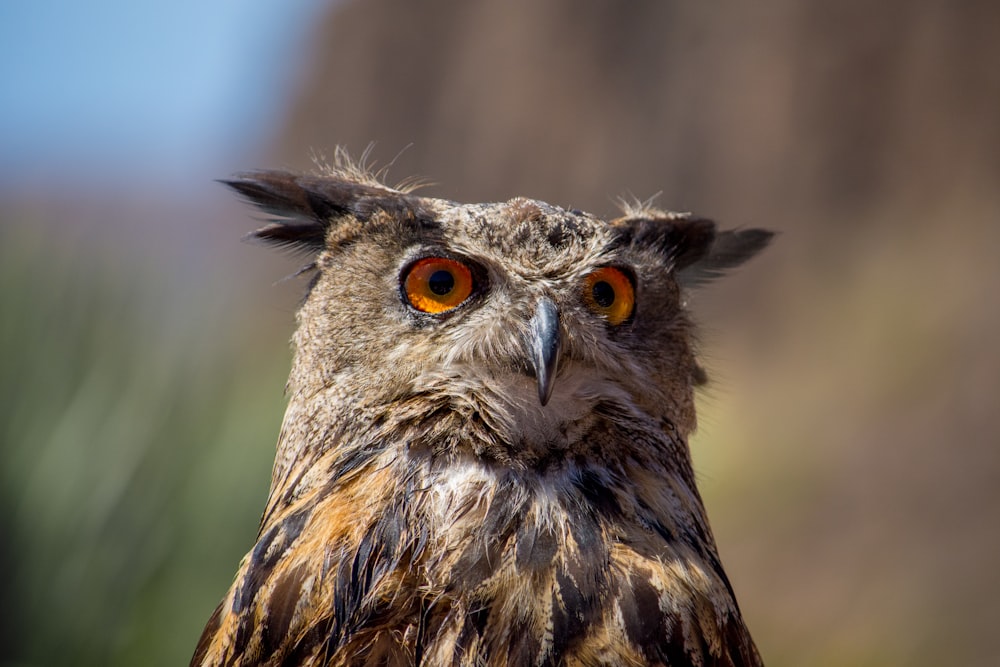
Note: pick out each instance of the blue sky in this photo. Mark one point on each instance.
(125, 87)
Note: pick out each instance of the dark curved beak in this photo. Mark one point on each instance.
(543, 347)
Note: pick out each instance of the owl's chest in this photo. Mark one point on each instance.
(499, 567)
(537, 569)
(513, 569)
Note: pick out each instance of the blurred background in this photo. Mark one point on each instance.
(848, 449)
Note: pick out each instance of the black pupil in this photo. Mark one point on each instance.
(604, 294)
(441, 282)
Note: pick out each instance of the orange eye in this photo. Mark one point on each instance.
(437, 284)
(609, 293)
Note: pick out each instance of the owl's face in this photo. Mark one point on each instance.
(521, 314)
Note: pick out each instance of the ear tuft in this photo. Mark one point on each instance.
(307, 206)
(727, 250)
(694, 247)
(680, 238)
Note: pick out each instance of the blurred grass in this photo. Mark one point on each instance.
(137, 424)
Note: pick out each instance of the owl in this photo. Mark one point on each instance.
(484, 459)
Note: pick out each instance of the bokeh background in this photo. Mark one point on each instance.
(848, 451)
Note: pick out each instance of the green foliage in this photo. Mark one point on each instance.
(137, 425)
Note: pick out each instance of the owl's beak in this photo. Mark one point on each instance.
(543, 347)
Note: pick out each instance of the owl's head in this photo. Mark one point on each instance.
(522, 316)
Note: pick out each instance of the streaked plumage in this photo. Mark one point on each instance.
(505, 482)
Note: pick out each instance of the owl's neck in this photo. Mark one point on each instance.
(597, 451)
(498, 426)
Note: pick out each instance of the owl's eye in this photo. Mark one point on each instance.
(609, 293)
(437, 284)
